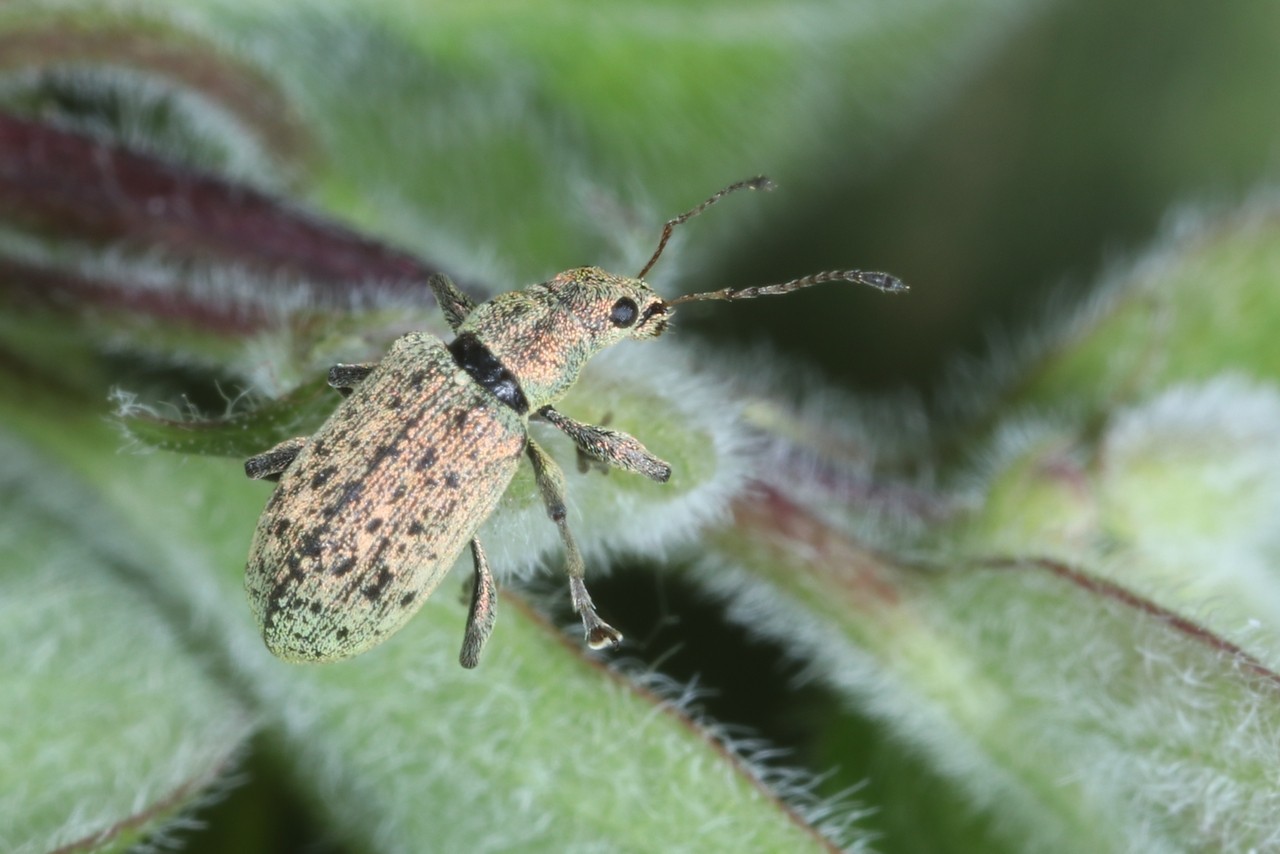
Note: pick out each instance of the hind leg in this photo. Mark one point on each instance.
(484, 601)
(550, 479)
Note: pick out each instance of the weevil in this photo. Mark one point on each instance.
(370, 512)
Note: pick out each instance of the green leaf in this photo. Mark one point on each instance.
(112, 727)
(1077, 714)
(241, 434)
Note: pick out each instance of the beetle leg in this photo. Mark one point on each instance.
(269, 465)
(484, 601)
(454, 303)
(611, 446)
(551, 484)
(586, 462)
(345, 377)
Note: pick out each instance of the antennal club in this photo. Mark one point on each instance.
(759, 182)
(879, 281)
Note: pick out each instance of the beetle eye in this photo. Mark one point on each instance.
(624, 313)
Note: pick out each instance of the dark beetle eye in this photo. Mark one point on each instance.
(624, 312)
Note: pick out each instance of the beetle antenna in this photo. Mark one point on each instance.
(759, 182)
(879, 281)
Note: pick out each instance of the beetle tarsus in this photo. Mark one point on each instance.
(599, 634)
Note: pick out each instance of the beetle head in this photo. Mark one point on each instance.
(610, 307)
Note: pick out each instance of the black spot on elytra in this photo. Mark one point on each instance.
(373, 526)
(427, 460)
(417, 379)
(350, 493)
(416, 529)
(375, 557)
(373, 592)
(310, 545)
(473, 455)
(275, 601)
(321, 477)
(407, 599)
(395, 402)
(280, 527)
(451, 480)
(280, 597)
(460, 418)
(320, 449)
(341, 634)
(315, 607)
(381, 453)
(398, 493)
(407, 428)
(343, 566)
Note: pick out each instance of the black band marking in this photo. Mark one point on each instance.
(477, 360)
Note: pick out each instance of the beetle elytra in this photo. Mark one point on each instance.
(371, 511)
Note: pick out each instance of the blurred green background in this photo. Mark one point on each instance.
(1062, 150)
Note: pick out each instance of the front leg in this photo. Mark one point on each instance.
(454, 303)
(551, 484)
(612, 446)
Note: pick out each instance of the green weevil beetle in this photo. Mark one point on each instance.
(371, 512)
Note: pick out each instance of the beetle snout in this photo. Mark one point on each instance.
(653, 321)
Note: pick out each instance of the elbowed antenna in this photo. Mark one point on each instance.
(759, 182)
(880, 281)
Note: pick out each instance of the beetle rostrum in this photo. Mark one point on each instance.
(371, 512)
